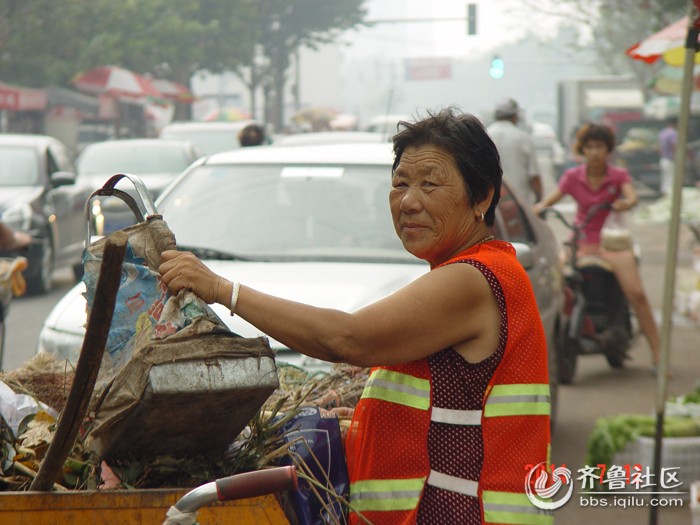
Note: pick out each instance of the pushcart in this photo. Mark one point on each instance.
(243, 499)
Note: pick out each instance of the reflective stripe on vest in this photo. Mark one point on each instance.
(513, 508)
(455, 417)
(518, 400)
(399, 388)
(453, 483)
(386, 494)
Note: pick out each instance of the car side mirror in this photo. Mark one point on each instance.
(524, 254)
(62, 178)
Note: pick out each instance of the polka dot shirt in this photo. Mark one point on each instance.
(454, 449)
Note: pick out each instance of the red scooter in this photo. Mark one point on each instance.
(597, 317)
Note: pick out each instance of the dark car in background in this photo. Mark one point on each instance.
(39, 194)
(638, 150)
(157, 162)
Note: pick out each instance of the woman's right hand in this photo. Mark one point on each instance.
(183, 270)
(13, 240)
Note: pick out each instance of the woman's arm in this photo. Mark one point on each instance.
(448, 306)
(629, 198)
(553, 197)
(13, 240)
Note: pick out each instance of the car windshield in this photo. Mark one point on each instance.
(290, 213)
(18, 166)
(139, 159)
(207, 141)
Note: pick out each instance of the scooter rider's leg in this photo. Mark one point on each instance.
(627, 274)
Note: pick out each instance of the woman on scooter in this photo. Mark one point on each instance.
(594, 182)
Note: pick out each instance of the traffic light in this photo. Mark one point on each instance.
(497, 67)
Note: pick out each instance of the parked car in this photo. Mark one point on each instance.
(330, 137)
(311, 224)
(91, 132)
(156, 161)
(208, 137)
(39, 194)
(386, 124)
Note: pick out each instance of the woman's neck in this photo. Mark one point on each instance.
(595, 171)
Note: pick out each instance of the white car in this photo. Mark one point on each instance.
(156, 162)
(208, 137)
(310, 224)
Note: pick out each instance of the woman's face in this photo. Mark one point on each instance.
(595, 152)
(429, 204)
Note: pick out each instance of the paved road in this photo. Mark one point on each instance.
(599, 391)
(25, 319)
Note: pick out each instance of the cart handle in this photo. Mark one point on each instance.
(240, 486)
(108, 189)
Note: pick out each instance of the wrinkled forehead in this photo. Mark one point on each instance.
(426, 159)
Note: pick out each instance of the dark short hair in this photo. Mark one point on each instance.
(251, 135)
(593, 131)
(464, 137)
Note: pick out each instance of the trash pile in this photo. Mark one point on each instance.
(33, 396)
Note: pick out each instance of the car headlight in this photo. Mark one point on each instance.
(97, 216)
(62, 345)
(18, 217)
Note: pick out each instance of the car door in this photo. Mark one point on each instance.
(516, 226)
(67, 200)
(515, 223)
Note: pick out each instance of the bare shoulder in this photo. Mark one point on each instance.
(457, 280)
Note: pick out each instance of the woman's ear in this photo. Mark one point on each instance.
(485, 204)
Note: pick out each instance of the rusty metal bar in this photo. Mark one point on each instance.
(99, 322)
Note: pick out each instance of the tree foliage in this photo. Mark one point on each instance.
(46, 42)
(611, 27)
(286, 25)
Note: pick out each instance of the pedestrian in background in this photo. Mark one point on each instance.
(251, 135)
(668, 138)
(517, 150)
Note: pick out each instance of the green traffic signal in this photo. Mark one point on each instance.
(497, 67)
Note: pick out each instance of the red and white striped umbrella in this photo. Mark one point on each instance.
(117, 82)
(173, 90)
(667, 43)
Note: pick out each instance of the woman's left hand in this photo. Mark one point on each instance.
(621, 205)
(180, 270)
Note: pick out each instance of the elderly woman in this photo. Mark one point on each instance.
(457, 405)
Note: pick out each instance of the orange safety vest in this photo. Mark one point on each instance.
(387, 443)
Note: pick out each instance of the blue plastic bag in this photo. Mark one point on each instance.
(315, 439)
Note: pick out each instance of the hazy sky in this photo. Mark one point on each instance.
(498, 22)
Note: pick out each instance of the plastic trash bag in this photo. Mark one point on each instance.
(615, 236)
(315, 440)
